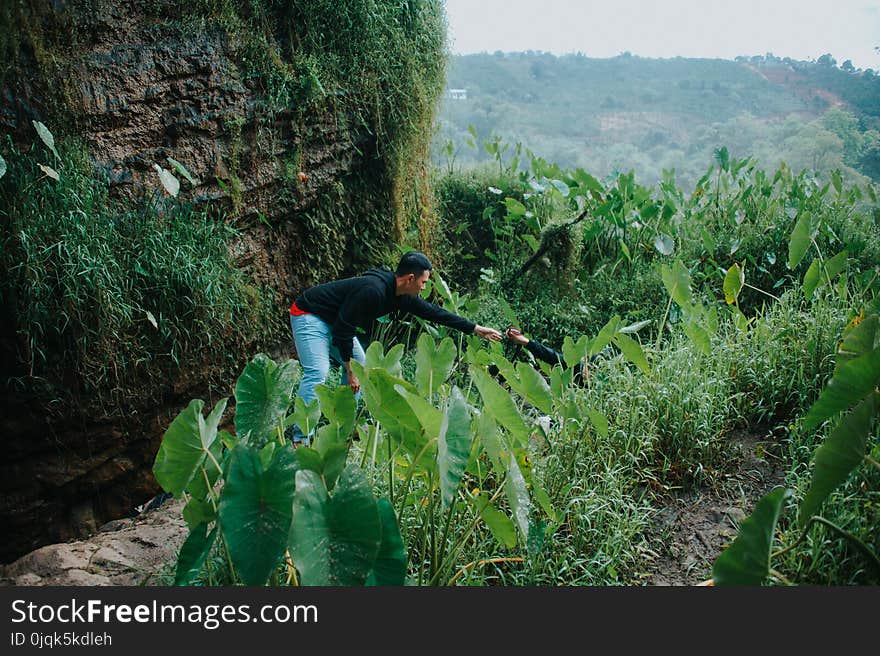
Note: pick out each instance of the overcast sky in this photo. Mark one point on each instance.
(800, 29)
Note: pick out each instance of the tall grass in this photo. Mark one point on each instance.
(101, 296)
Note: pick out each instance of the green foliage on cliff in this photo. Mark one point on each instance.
(103, 301)
(378, 65)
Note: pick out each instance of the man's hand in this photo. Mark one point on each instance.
(514, 335)
(353, 381)
(488, 333)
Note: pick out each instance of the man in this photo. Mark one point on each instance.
(325, 318)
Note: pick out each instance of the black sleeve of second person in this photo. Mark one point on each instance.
(545, 353)
(435, 314)
(555, 357)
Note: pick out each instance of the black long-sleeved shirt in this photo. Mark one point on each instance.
(352, 303)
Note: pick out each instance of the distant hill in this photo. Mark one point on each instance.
(629, 112)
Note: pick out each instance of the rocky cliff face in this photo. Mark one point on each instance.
(138, 92)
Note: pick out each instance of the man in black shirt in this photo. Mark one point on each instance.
(325, 318)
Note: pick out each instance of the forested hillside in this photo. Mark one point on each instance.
(632, 113)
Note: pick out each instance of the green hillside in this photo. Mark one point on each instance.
(628, 112)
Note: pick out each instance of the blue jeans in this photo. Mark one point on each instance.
(314, 346)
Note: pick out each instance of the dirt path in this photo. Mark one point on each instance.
(697, 525)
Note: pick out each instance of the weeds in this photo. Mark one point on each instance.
(100, 295)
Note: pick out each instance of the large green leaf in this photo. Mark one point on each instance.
(518, 497)
(599, 421)
(722, 156)
(202, 484)
(499, 524)
(309, 458)
(708, 241)
(818, 275)
(2, 166)
(262, 396)
(433, 363)
(838, 455)
(799, 242)
(573, 352)
(430, 417)
(383, 401)
(454, 445)
(305, 416)
(193, 554)
(198, 511)
(180, 168)
(811, 279)
(586, 180)
(534, 388)
(833, 266)
(339, 406)
(632, 351)
(560, 379)
(605, 335)
(186, 445)
(255, 510)
(852, 381)
(860, 337)
(505, 367)
(747, 560)
(634, 327)
(390, 408)
(335, 539)
(499, 403)
(734, 280)
(677, 281)
(378, 359)
(543, 500)
(390, 565)
(333, 464)
(739, 319)
(514, 207)
(486, 430)
(698, 335)
(837, 181)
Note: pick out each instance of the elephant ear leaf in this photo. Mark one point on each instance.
(335, 540)
(838, 455)
(390, 565)
(747, 560)
(454, 446)
(263, 394)
(187, 447)
(256, 509)
(193, 554)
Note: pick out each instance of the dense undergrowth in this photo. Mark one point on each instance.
(703, 315)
